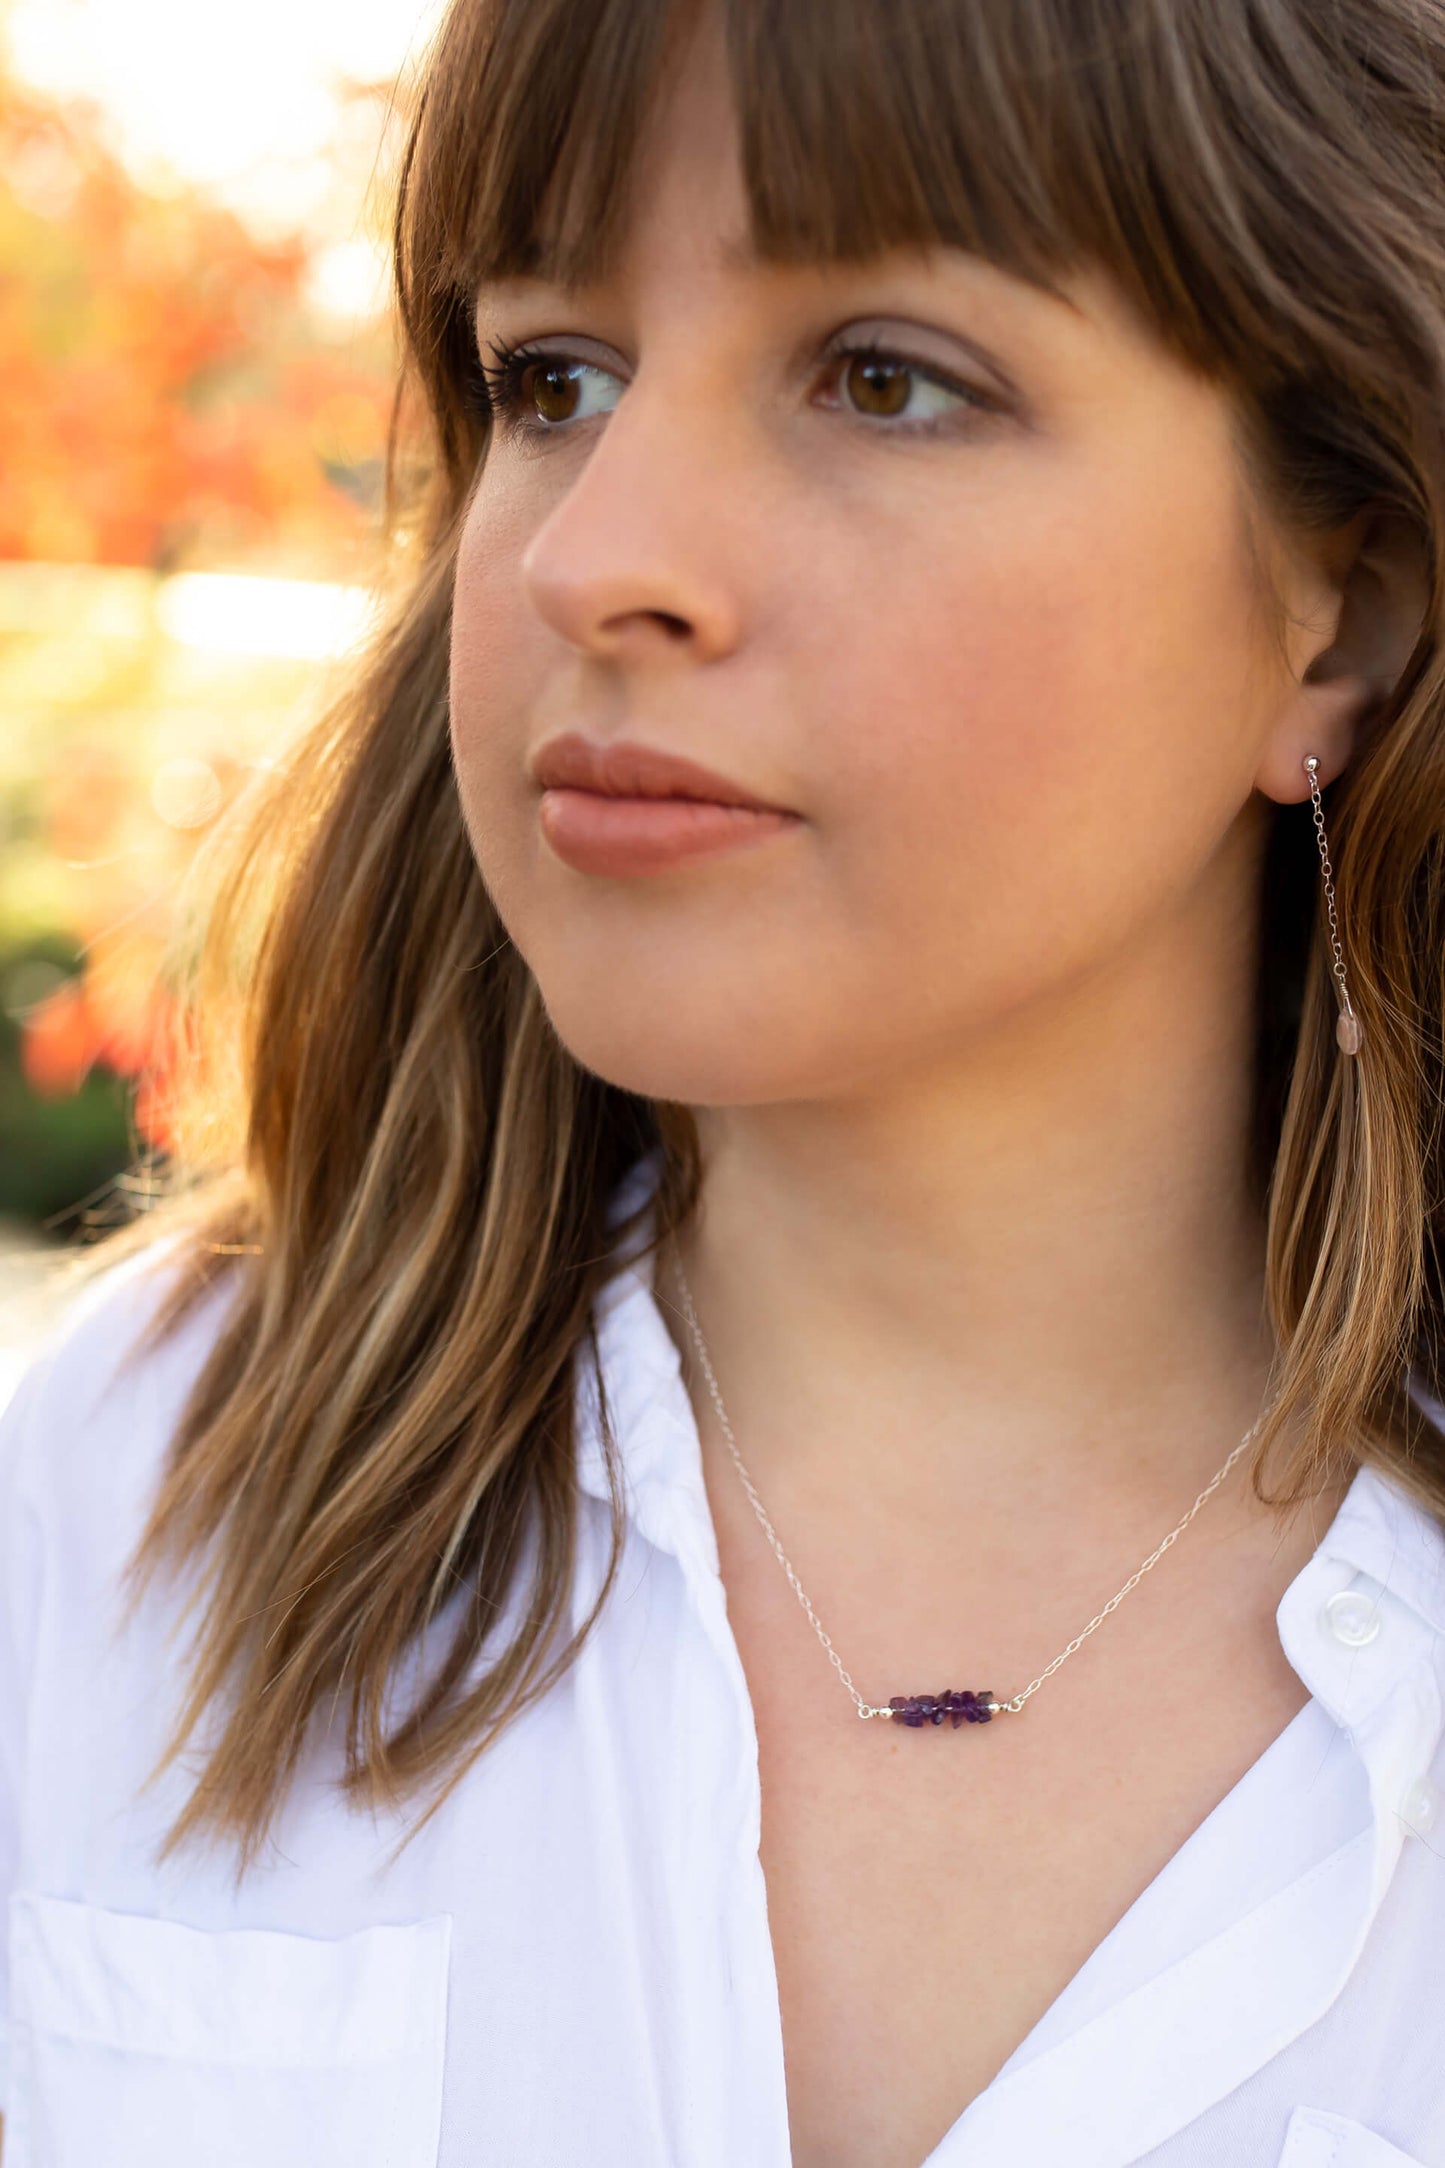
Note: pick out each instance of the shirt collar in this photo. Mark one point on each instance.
(1370, 1603)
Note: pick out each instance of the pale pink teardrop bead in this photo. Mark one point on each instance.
(1348, 1032)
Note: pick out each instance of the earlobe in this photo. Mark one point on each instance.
(1325, 717)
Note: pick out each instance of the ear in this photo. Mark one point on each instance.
(1365, 600)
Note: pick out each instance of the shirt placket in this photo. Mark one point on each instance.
(1117, 2089)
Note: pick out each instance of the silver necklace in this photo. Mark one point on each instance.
(963, 1705)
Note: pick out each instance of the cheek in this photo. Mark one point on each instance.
(1049, 715)
(496, 668)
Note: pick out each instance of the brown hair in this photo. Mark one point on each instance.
(384, 1144)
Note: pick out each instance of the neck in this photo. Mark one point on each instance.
(1034, 1265)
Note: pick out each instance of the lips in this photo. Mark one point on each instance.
(623, 770)
(623, 810)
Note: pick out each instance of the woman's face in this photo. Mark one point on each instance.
(983, 616)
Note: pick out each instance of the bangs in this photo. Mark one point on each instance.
(1014, 129)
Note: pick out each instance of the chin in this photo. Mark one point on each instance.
(707, 1059)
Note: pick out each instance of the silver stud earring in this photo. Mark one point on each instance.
(1348, 1033)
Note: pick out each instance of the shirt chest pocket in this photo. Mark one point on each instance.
(1316, 2139)
(142, 2043)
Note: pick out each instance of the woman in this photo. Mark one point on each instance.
(658, 1283)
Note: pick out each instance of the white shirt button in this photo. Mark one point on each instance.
(1421, 1807)
(1352, 1617)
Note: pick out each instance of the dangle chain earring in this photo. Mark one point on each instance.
(1348, 1031)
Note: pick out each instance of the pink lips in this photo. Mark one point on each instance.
(626, 809)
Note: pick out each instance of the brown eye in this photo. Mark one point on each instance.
(550, 389)
(877, 386)
(874, 383)
(532, 391)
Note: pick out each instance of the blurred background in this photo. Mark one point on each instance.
(196, 366)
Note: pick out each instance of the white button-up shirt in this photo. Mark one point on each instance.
(569, 1966)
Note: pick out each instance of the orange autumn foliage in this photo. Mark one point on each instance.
(171, 401)
(69, 1032)
(167, 396)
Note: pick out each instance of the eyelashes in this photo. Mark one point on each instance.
(500, 381)
(500, 387)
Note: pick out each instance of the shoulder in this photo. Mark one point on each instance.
(85, 1428)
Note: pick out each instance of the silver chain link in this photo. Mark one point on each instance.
(867, 1709)
(1311, 767)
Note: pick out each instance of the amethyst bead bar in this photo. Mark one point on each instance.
(964, 1707)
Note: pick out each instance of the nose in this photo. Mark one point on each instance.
(639, 558)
